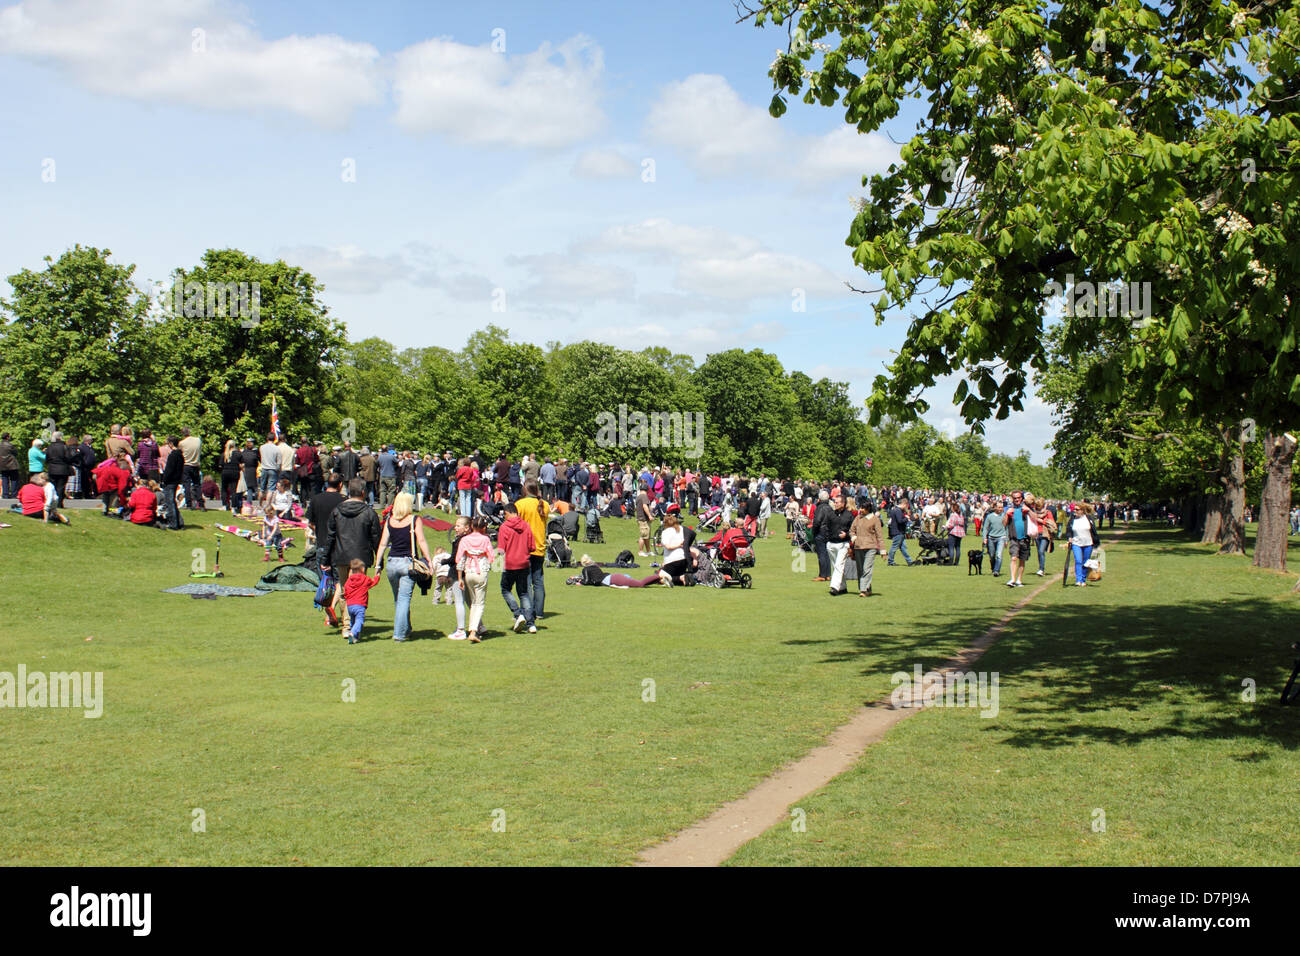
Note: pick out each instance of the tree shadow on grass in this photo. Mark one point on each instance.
(1179, 667)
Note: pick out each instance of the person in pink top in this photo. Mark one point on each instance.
(473, 562)
(956, 531)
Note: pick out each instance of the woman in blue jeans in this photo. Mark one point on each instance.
(402, 536)
(1083, 534)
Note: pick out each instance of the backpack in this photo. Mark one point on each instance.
(625, 559)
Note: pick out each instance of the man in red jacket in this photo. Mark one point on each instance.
(515, 539)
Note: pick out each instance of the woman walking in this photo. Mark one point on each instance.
(868, 541)
(1046, 530)
(402, 535)
(956, 526)
(1083, 538)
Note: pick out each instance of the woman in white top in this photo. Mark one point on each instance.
(676, 563)
(1082, 536)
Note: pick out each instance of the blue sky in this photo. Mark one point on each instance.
(502, 155)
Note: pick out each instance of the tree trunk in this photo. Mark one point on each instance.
(1275, 502)
(1213, 519)
(1232, 536)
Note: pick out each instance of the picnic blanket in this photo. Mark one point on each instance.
(214, 590)
(437, 524)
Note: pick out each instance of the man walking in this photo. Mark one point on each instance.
(995, 535)
(352, 532)
(838, 525)
(898, 533)
(534, 511)
(1017, 524)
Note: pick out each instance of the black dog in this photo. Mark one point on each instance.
(974, 562)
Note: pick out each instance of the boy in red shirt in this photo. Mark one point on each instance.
(356, 595)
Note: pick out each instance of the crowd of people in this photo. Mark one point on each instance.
(361, 508)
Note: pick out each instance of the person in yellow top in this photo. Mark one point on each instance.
(533, 510)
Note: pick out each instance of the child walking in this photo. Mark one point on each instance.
(475, 558)
(356, 595)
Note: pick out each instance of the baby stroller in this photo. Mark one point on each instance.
(558, 552)
(801, 536)
(707, 573)
(732, 556)
(711, 518)
(594, 534)
(934, 548)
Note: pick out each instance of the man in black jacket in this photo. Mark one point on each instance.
(59, 462)
(819, 536)
(347, 463)
(172, 474)
(836, 529)
(86, 462)
(351, 532)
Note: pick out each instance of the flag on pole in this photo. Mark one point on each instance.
(275, 419)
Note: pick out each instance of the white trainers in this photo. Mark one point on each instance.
(1039, 573)
(519, 623)
(532, 628)
(457, 636)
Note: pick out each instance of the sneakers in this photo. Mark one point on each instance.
(643, 554)
(1039, 573)
(1011, 584)
(519, 624)
(457, 636)
(532, 628)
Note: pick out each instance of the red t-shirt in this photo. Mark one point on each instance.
(467, 477)
(32, 499)
(143, 504)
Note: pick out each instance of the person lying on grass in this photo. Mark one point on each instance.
(593, 575)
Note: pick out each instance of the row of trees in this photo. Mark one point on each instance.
(83, 347)
(1149, 144)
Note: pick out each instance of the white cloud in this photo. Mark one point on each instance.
(353, 271)
(845, 153)
(547, 98)
(663, 240)
(347, 269)
(708, 121)
(572, 282)
(754, 275)
(719, 133)
(604, 164)
(148, 50)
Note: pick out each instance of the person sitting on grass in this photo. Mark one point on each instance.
(593, 575)
(676, 562)
(143, 504)
(37, 499)
(356, 596)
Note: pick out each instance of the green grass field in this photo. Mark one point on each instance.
(1124, 697)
